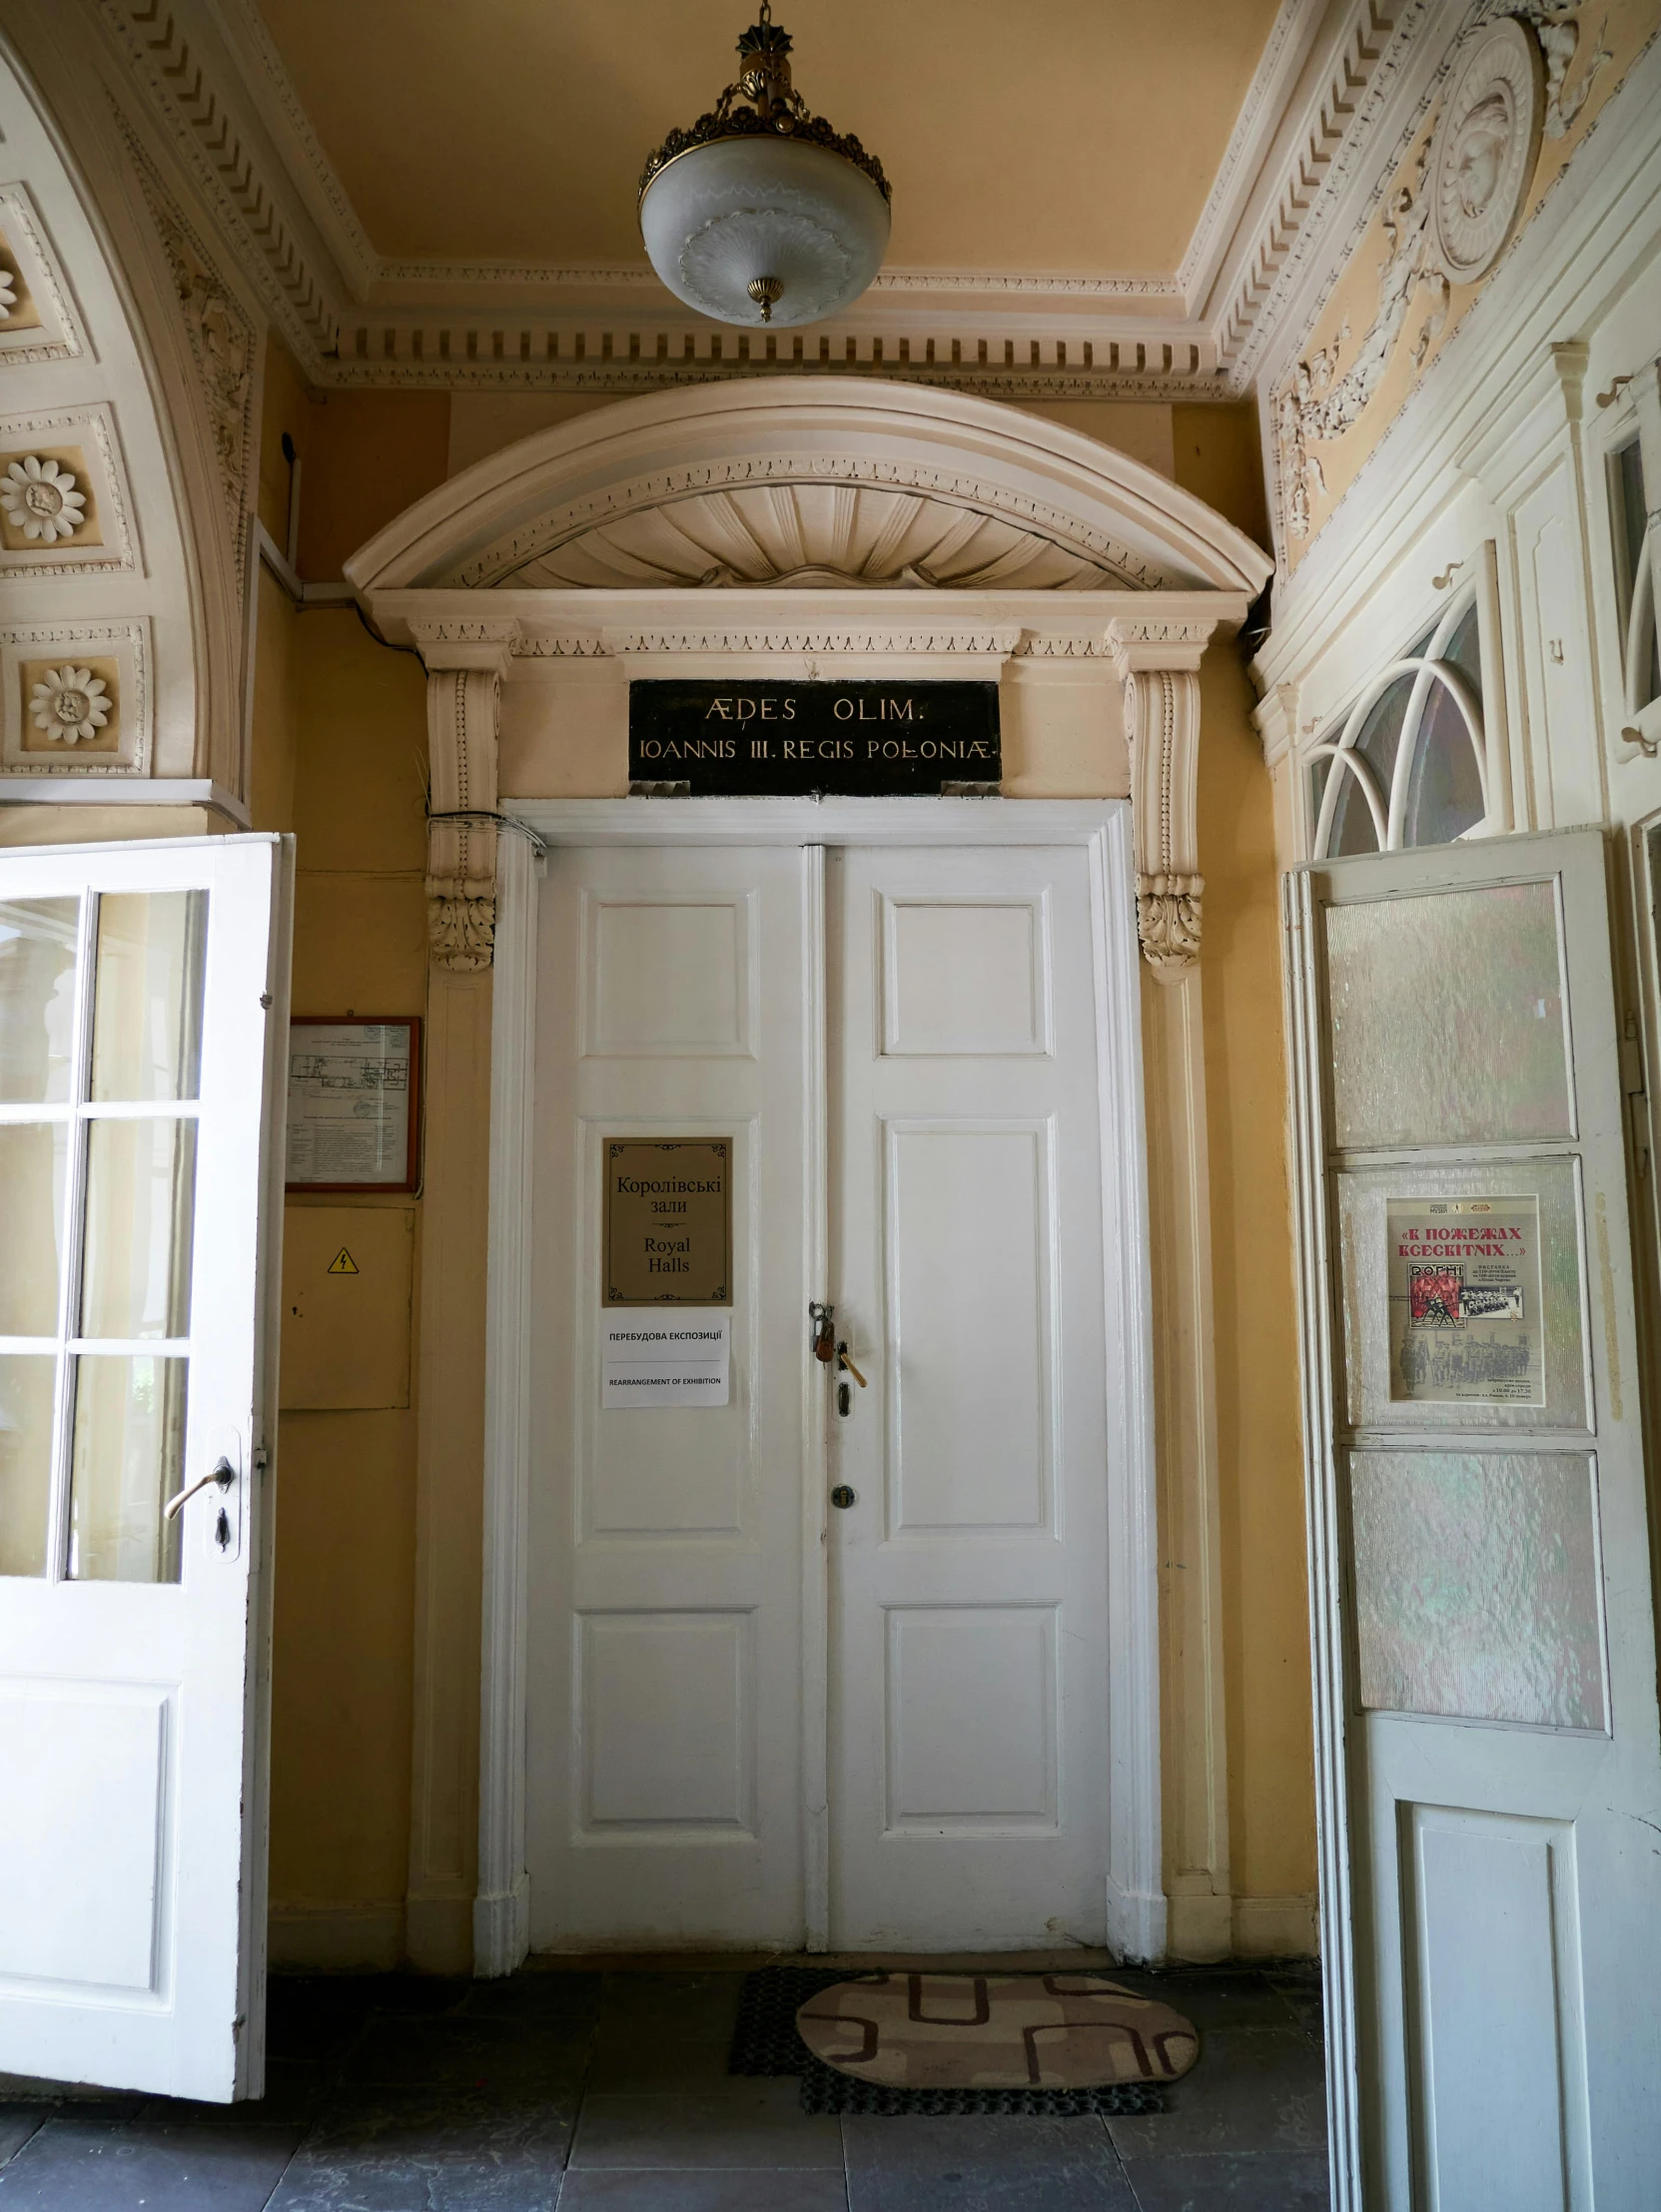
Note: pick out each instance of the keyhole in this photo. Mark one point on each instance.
(844, 1399)
(222, 1529)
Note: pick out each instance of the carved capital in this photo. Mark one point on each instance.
(1160, 662)
(462, 921)
(1168, 922)
(463, 713)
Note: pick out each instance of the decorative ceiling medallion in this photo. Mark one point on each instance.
(1485, 149)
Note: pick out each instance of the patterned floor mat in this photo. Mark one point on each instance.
(765, 2041)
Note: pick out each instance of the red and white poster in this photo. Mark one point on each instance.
(1465, 1289)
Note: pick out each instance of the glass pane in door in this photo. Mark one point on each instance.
(141, 1192)
(34, 1160)
(1446, 1019)
(37, 998)
(129, 1456)
(146, 1020)
(26, 1401)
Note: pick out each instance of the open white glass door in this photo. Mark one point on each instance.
(1489, 1771)
(143, 1011)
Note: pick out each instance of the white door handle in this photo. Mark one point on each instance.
(224, 1474)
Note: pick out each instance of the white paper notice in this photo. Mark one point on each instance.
(679, 1357)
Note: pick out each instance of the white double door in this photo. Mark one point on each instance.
(758, 1717)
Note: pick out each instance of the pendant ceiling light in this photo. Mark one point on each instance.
(761, 212)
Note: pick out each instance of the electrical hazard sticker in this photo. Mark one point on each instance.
(342, 1263)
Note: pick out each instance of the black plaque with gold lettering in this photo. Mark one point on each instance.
(668, 1221)
(862, 740)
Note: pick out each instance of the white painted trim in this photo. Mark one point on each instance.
(501, 1909)
(123, 790)
(1135, 1904)
(817, 821)
(1324, 1538)
(1132, 1874)
(816, 1831)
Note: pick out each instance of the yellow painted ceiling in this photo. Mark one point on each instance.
(1077, 135)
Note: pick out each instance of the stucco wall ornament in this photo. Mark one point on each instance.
(1446, 221)
(8, 296)
(1160, 664)
(69, 703)
(1484, 148)
(223, 344)
(463, 702)
(41, 500)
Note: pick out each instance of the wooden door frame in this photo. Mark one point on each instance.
(1133, 1876)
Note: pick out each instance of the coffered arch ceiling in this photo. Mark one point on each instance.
(790, 482)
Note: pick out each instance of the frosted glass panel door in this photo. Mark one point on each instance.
(1484, 1639)
(143, 1001)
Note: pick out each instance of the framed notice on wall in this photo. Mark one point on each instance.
(353, 1103)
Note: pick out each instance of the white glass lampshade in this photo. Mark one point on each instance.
(761, 212)
(722, 217)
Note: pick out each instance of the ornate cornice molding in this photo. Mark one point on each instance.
(214, 83)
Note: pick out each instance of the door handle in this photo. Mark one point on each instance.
(224, 1474)
(842, 1361)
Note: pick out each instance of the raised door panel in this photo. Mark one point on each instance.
(664, 1710)
(969, 1258)
(968, 1654)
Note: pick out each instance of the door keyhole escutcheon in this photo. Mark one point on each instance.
(842, 1496)
(844, 1400)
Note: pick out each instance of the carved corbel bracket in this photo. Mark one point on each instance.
(1159, 662)
(465, 662)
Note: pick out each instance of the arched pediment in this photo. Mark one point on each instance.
(796, 482)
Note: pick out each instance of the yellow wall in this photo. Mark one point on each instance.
(1264, 1581)
(339, 750)
(340, 736)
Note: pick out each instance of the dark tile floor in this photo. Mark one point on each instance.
(608, 2092)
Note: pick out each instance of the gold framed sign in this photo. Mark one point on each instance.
(667, 1238)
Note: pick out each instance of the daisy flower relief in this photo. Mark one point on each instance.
(70, 703)
(41, 500)
(8, 295)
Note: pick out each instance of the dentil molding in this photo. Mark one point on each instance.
(213, 87)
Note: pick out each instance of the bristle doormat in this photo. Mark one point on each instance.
(1102, 2031)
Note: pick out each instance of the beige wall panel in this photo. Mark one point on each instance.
(1062, 731)
(341, 1663)
(346, 1334)
(564, 731)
